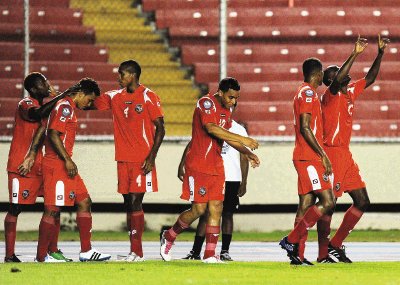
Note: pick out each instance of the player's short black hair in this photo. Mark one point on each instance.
(310, 66)
(228, 83)
(33, 79)
(328, 73)
(87, 86)
(132, 67)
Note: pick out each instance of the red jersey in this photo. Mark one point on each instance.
(24, 131)
(337, 114)
(133, 116)
(204, 154)
(306, 101)
(62, 119)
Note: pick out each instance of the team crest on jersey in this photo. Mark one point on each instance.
(325, 177)
(202, 191)
(207, 104)
(337, 186)
(309, 93)
(72, 195)
(25, 194)
(66, 112)
(60, 197)
(139, 108)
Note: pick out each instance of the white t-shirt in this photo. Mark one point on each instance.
(231, 156)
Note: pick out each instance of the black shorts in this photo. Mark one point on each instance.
(231, 201)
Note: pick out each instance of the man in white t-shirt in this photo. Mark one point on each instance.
(236, 170)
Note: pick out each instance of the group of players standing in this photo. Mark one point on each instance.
(138, 134)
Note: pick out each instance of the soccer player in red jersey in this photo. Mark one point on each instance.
(204, 179)
(24, 172)
(338, 104)
(138, 134)
(310, 160)
(63, 186)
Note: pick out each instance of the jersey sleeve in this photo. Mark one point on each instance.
(103, 102)
(359, 87)
(154, 106)
(207, 111)
(59, 117)
(23, 108)
(306, 101)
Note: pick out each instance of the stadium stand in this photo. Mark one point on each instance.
(267, 43)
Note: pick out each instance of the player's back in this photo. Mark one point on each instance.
(23, 133)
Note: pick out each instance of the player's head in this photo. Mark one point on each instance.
(312, 70)
(84, 93)
(129, 72)
(38, 86)
(330, 73)
(229, 92)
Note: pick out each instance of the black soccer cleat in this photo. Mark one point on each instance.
(12, 258)
(307, 262)
(192, 256)
(339, 253)
(224, 256)
(327, 259)
(292, 251)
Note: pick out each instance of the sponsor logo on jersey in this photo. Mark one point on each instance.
(309, 93)
(128, 102)
(337, 186)
(139, 108)
(223, 115)
(315, 181)
(29, 102)
(308, 100)
(25, 194)
(15, 195)
(207, 104)
(63, 119)
(66, 112)
(202, 191)
(149, 183)
(60, 197)
(72, 195)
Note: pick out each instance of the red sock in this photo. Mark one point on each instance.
(312, 215)
(136, 232)
(176, 229)
(10, 233)
(351, 218)
(53, 246)
(46, 228)
(212, 234)
(303, 239)
(324, 230)
(84, 222)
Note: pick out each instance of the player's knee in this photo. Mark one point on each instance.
(363, 204)
(52, 211)
(15, 210)
(329, 207)
(199, 209)
(85, 205)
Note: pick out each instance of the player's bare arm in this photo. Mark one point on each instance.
(25, 167)
(149, 162)
(309, 137)
(36, 114)
(222, 134)
(374, 70)
(244, 167)
(344, 70)
(181, 167)
(251, 157)
(58, 146)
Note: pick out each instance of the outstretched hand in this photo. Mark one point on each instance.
(360, 45)
(382, 43)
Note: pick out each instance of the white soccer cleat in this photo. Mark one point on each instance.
(165, 248)
(213, 259)
(93, 255)
(131, 257)
(49, 258)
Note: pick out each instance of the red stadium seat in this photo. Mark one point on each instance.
(37, 3)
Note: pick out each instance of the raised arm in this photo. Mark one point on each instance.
(58, 146)
(251, 157)
(309, 137)
(344, 70)
(36, 114)
(374, 70)
(149, 162)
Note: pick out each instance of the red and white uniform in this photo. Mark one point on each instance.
(59, 188)
(24, 189)
(204, 178)
(134, 131)
(306, 161)
(337, 113)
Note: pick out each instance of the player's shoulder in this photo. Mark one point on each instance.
(150, 96)
(64, 106)
(113, 93)
(206, 103)
(28, 101)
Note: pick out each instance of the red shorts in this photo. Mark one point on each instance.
(132, 180)
(347, 174)
(200, 188)
(59, 188)
(24, 190)
(311, 176)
